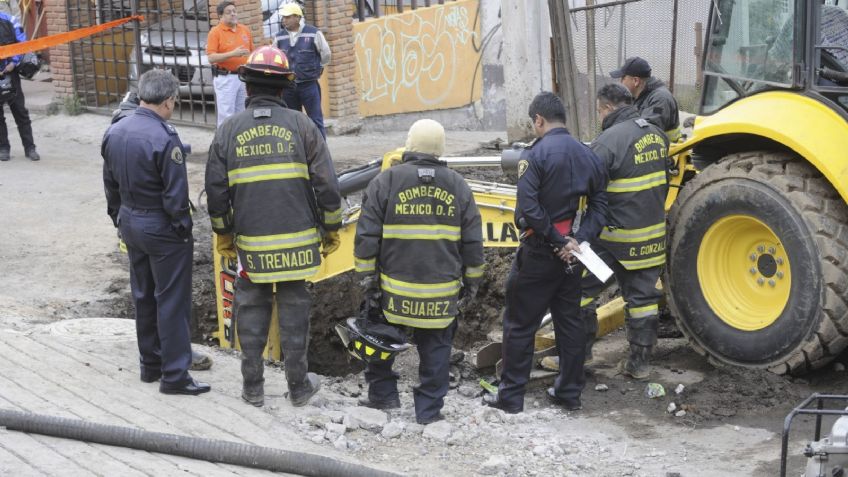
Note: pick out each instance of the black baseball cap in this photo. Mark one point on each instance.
(633, 66)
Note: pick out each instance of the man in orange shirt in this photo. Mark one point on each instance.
(227, 48)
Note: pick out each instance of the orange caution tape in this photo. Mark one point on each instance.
(61, 38)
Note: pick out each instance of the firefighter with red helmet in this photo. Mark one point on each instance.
(275, 207)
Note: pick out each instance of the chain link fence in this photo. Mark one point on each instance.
(604, 34)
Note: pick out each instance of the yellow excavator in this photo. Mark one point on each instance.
(757, 270)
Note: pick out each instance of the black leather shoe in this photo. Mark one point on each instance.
(192, 388)
(569, 404)
(492, 400)
(150, 375)
(438, 417)
(382, 405)
(33, 155)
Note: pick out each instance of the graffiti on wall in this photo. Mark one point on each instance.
(420, 60)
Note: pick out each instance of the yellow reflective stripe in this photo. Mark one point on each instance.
(586, 301)
(422, 232)
(644, 263)
(217, 222)
(333, 217)
(635, 184)
(283, 276)
(431, 323)
(276, 242)
(365, 264)
(633, 235)
(267, 172)
(419, 290)
(475, 272)
(643, 311)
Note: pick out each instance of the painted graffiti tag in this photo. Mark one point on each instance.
(417, 61)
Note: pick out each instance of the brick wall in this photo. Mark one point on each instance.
(60, 56)
(334, 19)
(249, 14)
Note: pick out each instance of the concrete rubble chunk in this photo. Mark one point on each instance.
(680, 413)
(671, 408)
(335, 416)
(317, 420)
(415, 428)
(494, 465)
(468, 391)
(679, 389)
(601, 387)
(392, 429)
(438, 431)
(340, 443)
(334, 430)
(838, 367)
(365, 418)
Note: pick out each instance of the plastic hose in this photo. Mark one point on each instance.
(212, 450)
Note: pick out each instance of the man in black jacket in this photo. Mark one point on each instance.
(653, 99)
(12, 32)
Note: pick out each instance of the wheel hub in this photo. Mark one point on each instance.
(744, 272)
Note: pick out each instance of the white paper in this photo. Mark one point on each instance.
(593, 262)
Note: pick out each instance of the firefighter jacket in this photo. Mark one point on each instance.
(553, 176)
(421, 230)
(635, 153)
(657, 105)
(270, 181)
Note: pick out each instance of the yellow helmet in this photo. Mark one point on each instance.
(291, 9)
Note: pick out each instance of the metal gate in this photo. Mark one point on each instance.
(172, 36)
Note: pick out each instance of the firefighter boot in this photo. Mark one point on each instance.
(293, 302)
(642, 335)
(253, 318)
(253, 388)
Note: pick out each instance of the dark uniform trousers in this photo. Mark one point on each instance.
(306, 96)
(21, 115)
(253, 302)
(638, 288)
(160, 276)
(434, 350)
(539, 280)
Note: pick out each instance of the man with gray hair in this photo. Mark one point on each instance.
(144, 174)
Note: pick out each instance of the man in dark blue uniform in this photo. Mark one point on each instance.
(144, 174)
(552, 177)
(308, 53)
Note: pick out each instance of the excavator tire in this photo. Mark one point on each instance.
(758, 263)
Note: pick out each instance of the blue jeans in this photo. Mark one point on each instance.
(307, 96)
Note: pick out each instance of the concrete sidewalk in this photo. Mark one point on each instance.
(88, 369)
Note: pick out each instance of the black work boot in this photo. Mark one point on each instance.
(300, 395)
(4, 155)
(33, 155)
(636, 365)
(392, 403)
(253, 387)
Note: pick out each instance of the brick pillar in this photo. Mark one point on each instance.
(333, 18)
(249, 14)
(60, 56)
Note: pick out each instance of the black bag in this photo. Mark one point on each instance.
(29, 65)
(7, 89)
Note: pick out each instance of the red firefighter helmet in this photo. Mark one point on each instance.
(268, 66)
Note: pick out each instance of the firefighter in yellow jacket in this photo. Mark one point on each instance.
(274, 200)
(419, 246)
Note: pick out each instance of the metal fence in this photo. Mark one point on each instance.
(667, 33)
(172, 37)
(378, 8)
